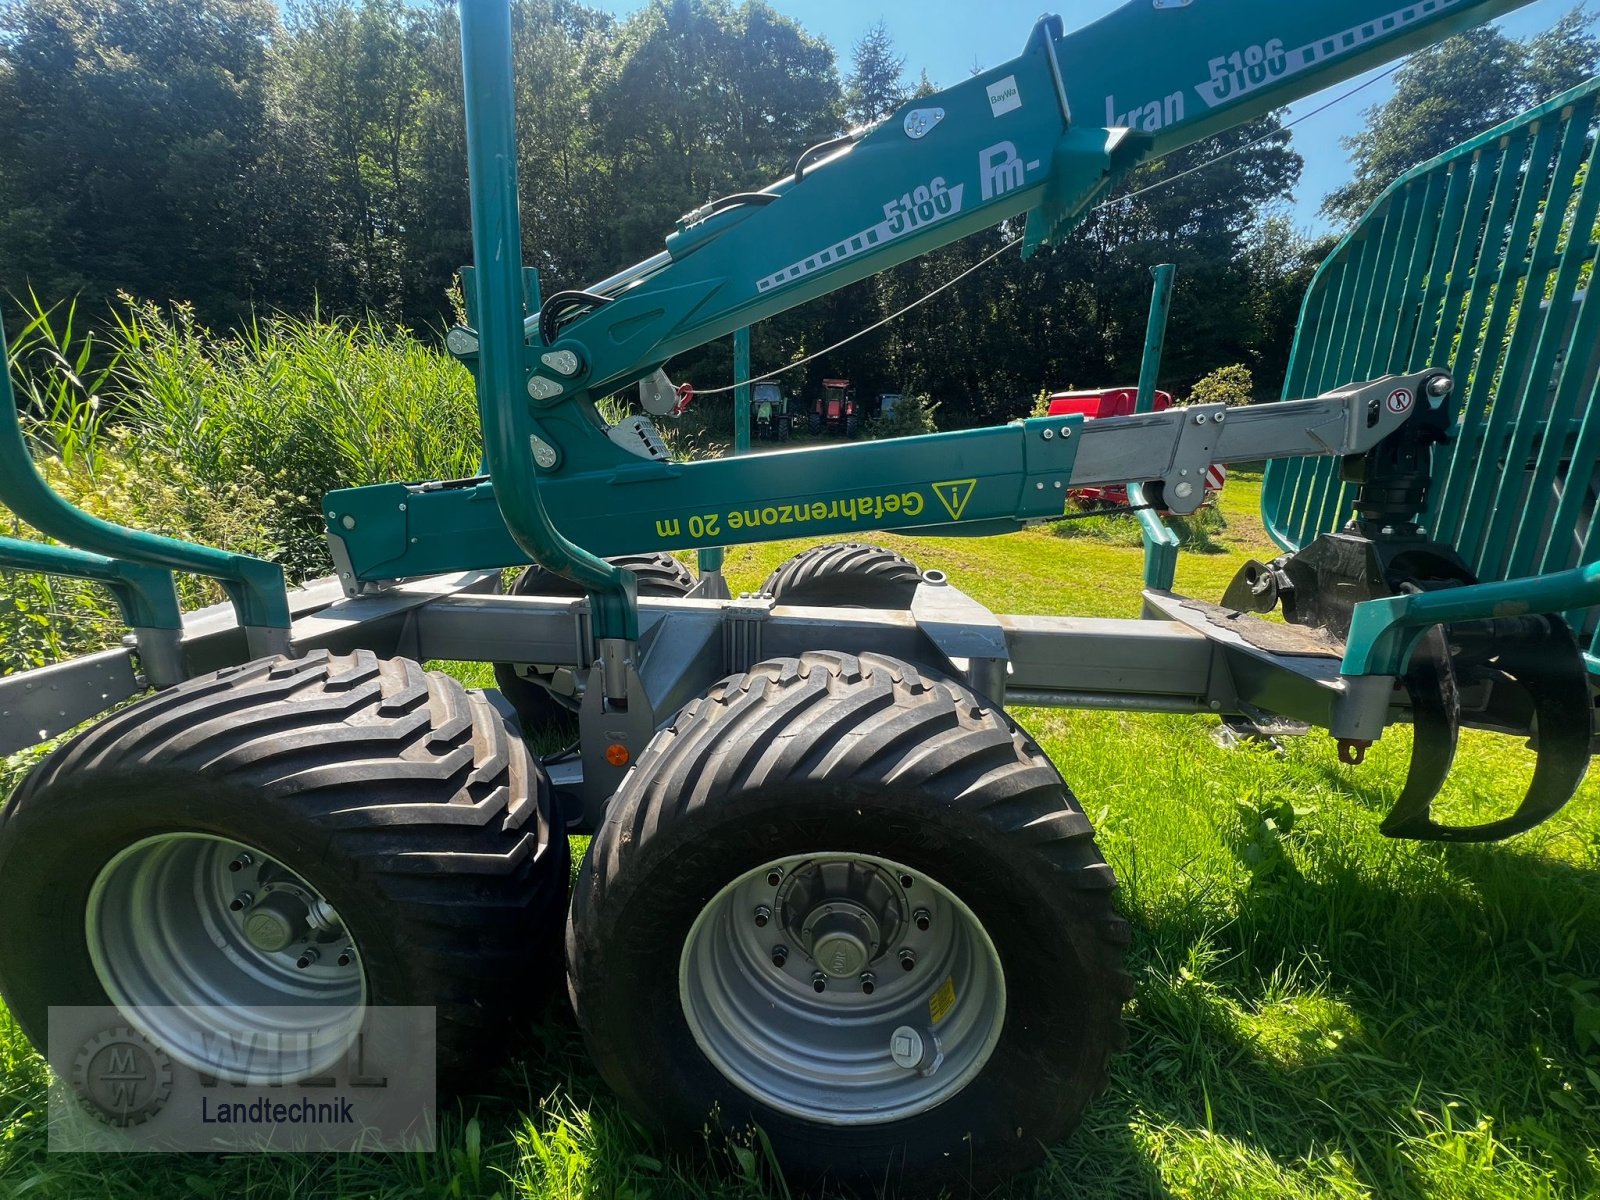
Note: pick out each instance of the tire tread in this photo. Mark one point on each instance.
(423, 788)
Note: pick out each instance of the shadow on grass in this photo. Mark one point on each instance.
(1379, 1022)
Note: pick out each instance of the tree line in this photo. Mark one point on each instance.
(244, 158)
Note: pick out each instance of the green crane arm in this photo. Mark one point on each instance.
(1046, 134)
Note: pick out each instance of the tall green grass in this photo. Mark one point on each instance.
(156, 422)
(304, 405)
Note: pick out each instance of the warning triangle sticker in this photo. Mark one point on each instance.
(954, 494)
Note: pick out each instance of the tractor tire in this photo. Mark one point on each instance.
(383, 817)
(814, 423)
(539, 708)
(785, 429)
(852, 425)
(851, 905)
(845, 575)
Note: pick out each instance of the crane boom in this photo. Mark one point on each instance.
(1046, 134)
(1026, 137)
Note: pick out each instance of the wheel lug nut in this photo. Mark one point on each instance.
(867, 983)
(308, 956)
(905, 881)
(240, 863)
(763, 915)
(346, 956)
(819, 982)
(775, 877)
(780, 955)
(923, 919)
(241, 902)
(907, 959)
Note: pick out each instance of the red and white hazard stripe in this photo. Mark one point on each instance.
(1216, 476)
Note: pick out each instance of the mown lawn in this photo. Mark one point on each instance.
(1321, 1012)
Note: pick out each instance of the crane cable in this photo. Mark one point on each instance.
(950, 283)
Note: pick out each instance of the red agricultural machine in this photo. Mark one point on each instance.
(835, 411)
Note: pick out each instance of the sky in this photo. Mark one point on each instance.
(950, 37)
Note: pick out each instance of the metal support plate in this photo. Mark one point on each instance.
(42, 704)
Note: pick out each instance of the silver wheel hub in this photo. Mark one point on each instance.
(843, 940)
(842, 988)
(192, 934)
(276, 922)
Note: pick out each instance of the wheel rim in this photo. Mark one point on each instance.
(879, 1041)
(190, 933)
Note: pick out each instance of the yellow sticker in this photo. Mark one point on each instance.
(942, 1001)
(954, 494)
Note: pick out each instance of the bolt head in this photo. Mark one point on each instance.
(775, 877)
(780, 955)
(905, 1047)
(908, 960)
(819, 982)
(763, 914)
(1184, 490)
(923, 919)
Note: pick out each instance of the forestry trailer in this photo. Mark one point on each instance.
(834, 891)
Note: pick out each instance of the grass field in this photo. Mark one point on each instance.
(1321, 1012)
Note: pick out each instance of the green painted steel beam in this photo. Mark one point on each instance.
(741, 390)
(256, 588)
(1161, 544)
(1383, 633)
(500, 299)
(145, 595)
(1155, 336)
(961, 484)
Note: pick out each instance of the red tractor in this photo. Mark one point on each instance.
(835, 411)
(1117, 402)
